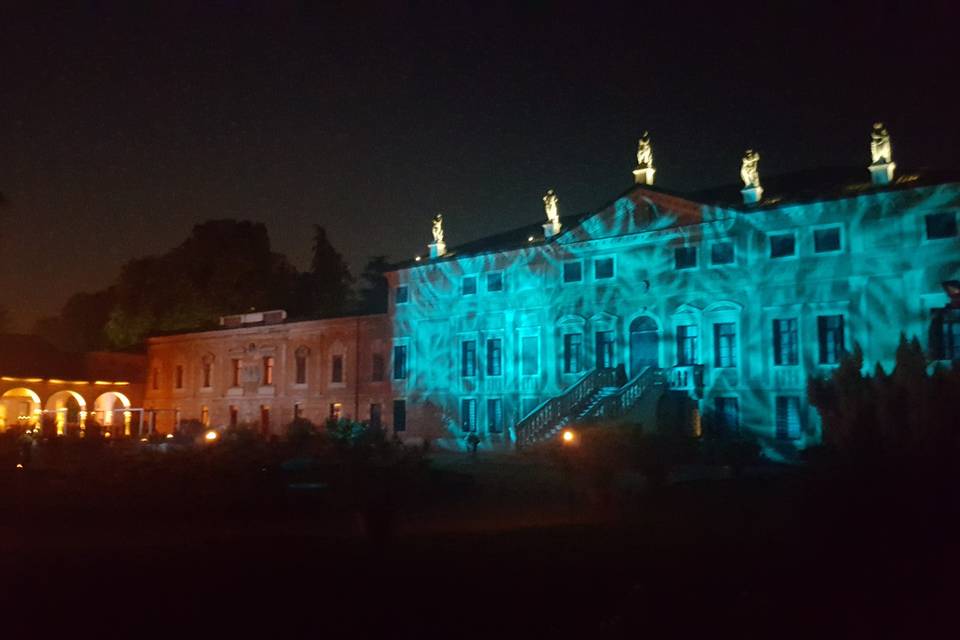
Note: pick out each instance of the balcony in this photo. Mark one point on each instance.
(686, 377)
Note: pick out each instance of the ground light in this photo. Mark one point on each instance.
(569, 436)
(211, 436)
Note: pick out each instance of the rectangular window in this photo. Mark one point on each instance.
(687, 335)
(268, 370)
(336, 369)
(785, 342)
(265, 418)
(336, 410)
(301, 373)
(178, 377)
(235, 372)
(685, 257)
(234, 416)
(494, 356)
(495, 281)
(205, 416)
(945, 334)
(494, 415)
(375, 415)
(297, 410)
(722, 253)
(377, 368)
(399, 415)
(529, 355)
(468, 414)
(468, 286)
(725, 344)
(728, 414)
(400, 362)
(604, 344)
(830, 338)
(941, 225)
(155, 379)
(788, 417)
(782, 245)
(603, 268)
(572, 271)
(826, 240)
(207, 374)
(401, 294)
(572, 352)
(468, 358)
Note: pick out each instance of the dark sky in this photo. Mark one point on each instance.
(121, 128)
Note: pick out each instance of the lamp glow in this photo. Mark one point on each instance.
(211, 436)
(568, 436)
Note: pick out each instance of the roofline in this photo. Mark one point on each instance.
(259, 328)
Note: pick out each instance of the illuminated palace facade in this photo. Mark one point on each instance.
(708, 310)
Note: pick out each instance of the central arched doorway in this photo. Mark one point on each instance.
(112, 411)
(69, 409)
(644, 344)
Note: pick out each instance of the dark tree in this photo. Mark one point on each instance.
(80, 325)
(328, 282)
(374, 289)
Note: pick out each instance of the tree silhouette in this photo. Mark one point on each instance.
(374, 289)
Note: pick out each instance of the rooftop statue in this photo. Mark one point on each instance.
(550, 201)
(438, 229)
(749, 172)
(880, 150)
(644, 152)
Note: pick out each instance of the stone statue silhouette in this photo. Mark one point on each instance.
(550, 201)
(880, 150)
(438, 229)
(644, 152)
(749, 172)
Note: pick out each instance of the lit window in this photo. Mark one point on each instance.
(377, 368)
(603, 268)
(722, 253)
(685, 257)
(494, 415)
(235, 372)
(941, 225)
(826, 240)
(529, 356)
(830, 338)
(178, 377)
(336, 369)
(572, 352)
(604, 343)
(468, 358)
(468, 414)
(782, 245)
(267, 370)
(336, 410)
(400, 362)
(725, 344)
(494, 356)
(468, 286)
(401, 294)
(495, 281)
(687, 344)
(399, 415)
(572, 271)
(785, 342)
(788, 417)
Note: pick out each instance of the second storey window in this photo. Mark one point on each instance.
(830, 338)
(785, 342)
(494, 356)
(725, 344)
(178, 377)
(495, 281)
(941, 225)
(267, 369)
(207, 374)
(529, 356)
(468, 285)
(235, 372)
(685, 258)
(400, 362)
(572, 271)
(826, 240)
(687, 344)
(301, 373)
(468, 358)
(572, 352)
(721, 253)
(336, 369)
(782, 245)
(604, 344)
(376, 374)
(603, 268)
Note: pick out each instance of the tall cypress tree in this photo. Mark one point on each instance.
(330, 278)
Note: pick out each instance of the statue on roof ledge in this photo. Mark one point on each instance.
(644, 152)
(550, 201)
(749, 171)
(880, 150)
(438, 229)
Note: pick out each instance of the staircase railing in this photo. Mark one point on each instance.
(548, 415)
(619, 404)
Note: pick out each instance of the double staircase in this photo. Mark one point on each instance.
(602, 394)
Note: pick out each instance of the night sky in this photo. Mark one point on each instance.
(120, 128)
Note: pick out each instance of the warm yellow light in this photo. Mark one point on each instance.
(568, 436)
(144, 440)
(169, 436)
(19, 466)
(530, 239)
(55, 381)
(211, 435)
(101, 382)
(120, 384)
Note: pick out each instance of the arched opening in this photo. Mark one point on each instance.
(644, 344)
(69, 409)
(19, 406)
(105, 409)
